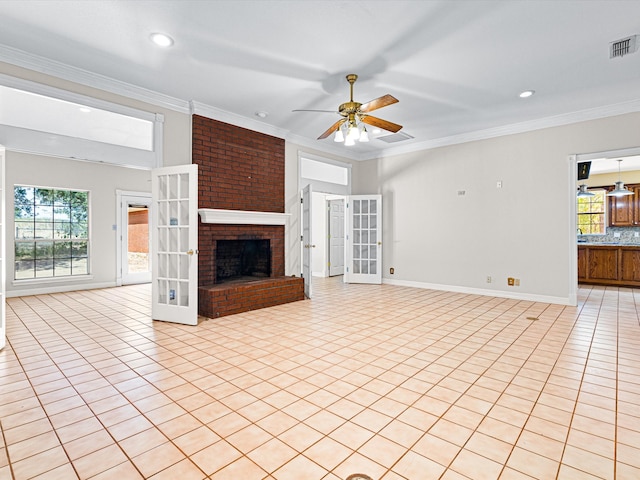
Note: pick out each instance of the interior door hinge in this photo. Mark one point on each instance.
(301, 238)
(302, 200)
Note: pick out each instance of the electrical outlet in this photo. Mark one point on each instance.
(636, 234)
(488, 278)
(517, 282)
(392, 270)
(511, 281)
(616, 234)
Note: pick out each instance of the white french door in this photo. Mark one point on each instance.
(363, 243)
(336, 237)
(174, 244)
(307, 247)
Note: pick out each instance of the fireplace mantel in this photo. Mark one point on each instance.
(242, 217)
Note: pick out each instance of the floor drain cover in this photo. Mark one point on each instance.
(359, 476)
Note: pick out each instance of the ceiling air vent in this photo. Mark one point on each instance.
(395, 137)
(623, 47)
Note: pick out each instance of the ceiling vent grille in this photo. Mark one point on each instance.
(395, 137)
(623, 47)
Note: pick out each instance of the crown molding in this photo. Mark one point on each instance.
(522, 127)
(63, 71)
(235, 119)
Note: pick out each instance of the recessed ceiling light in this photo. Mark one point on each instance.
(262, 114)
(161, 39)
(527, 93)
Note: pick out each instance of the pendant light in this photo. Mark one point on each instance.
(583, 192)
(620, 190)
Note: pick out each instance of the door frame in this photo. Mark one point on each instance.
(572, 163)
(122, 197)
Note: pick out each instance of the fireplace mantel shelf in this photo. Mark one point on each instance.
(242, 217)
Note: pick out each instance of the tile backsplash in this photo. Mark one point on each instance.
(627, 236)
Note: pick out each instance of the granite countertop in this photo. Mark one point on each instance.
(608, 244)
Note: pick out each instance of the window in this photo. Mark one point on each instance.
(51, 232)
(591, 213)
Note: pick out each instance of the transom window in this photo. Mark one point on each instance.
(591, 213)
(51, 232)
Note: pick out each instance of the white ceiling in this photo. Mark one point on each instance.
(456, 67)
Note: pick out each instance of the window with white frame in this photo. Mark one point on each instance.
(51, 232)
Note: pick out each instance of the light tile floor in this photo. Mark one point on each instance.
(393, 382)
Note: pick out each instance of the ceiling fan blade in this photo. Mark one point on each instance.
(332, 128)
(378, 122)
(305, 110)
(378, 103)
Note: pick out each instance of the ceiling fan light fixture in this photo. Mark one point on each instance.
(353, 133)
(339, 136)
(364, 136)
(527, 93)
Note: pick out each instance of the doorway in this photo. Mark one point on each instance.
(134, 258)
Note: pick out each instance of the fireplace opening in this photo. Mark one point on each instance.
(242, 260)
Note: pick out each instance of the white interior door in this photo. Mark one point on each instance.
(336, 237)
(135, 239)
(3, 263)
(363, 245)
(174, 244)
(307, 247)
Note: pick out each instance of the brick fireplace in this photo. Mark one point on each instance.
(240, 170)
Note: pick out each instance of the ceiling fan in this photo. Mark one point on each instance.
(355, 113)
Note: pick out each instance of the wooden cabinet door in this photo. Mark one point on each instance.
(603, 263)
(622, 211)
(630, 265)
(582, 263)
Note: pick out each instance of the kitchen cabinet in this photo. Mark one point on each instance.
(630, 265)
(625, 211)
(582, 263)
(602, 263)
(609, 265)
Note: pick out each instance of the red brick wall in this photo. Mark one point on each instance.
(138, 231)
(239, 169)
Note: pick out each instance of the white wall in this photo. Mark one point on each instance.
(434, 237)
(102, 180)
(292, 192)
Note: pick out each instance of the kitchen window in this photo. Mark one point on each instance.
(592, 213)
(51, 232)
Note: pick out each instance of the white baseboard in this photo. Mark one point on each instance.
(531, 297)
(45, 290)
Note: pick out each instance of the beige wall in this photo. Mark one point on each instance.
(435, 237)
